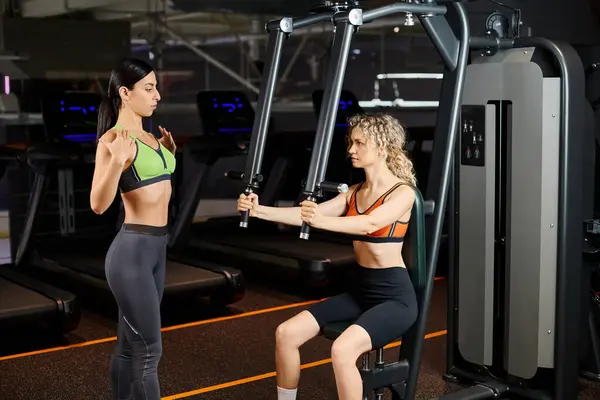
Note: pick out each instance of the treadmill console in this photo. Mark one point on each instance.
(71, 116)
(348, 107)
(225, 112)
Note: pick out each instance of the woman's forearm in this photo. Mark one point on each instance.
(282, 215)
(355, 225)
(103, 192)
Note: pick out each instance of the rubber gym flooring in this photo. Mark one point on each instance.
(224, 354)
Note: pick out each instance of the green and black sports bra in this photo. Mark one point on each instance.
(149, 166)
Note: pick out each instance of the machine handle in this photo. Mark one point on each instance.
(326, 187)
(333, 187)
(234, 175)
(245, 215)
(305, 229)
(244, 219)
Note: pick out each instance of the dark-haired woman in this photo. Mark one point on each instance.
(134, 162)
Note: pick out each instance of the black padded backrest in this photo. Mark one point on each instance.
(414, 241)
(415, 258)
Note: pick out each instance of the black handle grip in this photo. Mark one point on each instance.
(234, 175)
(244, 215)
(304, 231)
(333, 187)
(244, 219)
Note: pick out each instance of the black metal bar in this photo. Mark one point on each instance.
(35, 197)
(260, 127)
(456, 18)
(396, 8)
(333, 187)
(326, 124)
(480, 42)
(451, 303)
(301, 22)
(381, 377)
(443, 38)
(570, 214)
(477, 392)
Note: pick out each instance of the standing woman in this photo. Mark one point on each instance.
(139, 166)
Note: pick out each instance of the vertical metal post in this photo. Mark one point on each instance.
(33, 206)
(263, 110)
(454, 50)
(279, 30)
(346, 23)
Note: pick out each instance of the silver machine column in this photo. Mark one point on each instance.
(507, 190)
(516, 213)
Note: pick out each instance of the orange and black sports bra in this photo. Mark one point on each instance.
(391, 233)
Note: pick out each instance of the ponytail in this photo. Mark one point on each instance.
(107, 115)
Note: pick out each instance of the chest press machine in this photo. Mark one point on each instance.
(508, 155)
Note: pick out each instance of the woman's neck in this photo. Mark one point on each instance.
(129, 120)
(378, 177)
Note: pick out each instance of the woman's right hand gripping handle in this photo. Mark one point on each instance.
(281, 215)
(111, 157)
(248, 203)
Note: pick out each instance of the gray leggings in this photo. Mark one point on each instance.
(135, 271)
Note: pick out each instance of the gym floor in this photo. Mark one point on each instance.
(225, 354)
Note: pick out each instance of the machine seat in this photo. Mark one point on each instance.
(333, 330)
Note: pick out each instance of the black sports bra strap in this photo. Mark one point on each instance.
(396, 186)
(360, 185)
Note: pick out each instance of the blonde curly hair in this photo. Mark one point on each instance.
(389, 135)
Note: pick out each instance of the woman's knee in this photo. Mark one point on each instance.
(296, 331)
(148, 349)
(287, 335)
(155, 349)
(347, 348)
(343, 353)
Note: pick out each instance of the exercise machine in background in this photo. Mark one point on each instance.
(262, 249)
(55, 235)
(522, 173)
(26, 303)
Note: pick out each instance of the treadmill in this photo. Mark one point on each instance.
(264, 247)
(27, 303)
(68, 242)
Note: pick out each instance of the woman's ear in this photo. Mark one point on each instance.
(124, 93)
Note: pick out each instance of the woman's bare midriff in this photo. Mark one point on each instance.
(148, 205)
(378, 255)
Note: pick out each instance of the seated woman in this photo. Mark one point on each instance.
(382, 300)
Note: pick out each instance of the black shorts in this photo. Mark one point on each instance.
(381, 300)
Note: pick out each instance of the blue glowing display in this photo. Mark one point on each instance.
(73, 108)
(72, 116)
(227, 112)
(229, 107)
(347, 106)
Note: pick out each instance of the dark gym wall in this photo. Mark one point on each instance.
(65, 48)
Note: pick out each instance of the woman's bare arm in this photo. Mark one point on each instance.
(291, 215)
(105, 182)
